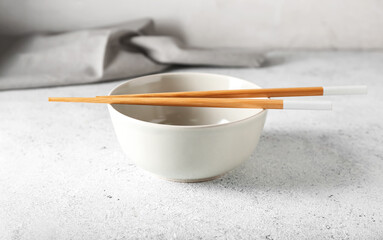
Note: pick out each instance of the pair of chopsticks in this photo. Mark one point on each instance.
(228, 98)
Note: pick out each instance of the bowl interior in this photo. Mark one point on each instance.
(186, 116)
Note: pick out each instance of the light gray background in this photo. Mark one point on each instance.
(314, 174)
(260, 24)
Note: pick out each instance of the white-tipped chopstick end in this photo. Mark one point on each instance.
(307, 105)
(345, 90)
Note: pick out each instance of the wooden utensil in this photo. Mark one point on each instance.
(254, 93)
(204, 102)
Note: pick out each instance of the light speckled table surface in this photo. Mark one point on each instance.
(314, 174)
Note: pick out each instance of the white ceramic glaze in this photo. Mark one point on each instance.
(186, 143)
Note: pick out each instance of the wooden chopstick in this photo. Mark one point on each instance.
(203, 102)
(254, 93)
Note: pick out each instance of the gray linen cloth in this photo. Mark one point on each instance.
(87, 56)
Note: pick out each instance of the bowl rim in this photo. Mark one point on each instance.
(159, 125)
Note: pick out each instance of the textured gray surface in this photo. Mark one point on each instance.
(314, 175)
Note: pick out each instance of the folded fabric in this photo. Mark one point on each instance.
(122, 51)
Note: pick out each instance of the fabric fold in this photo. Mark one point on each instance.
(121, 51)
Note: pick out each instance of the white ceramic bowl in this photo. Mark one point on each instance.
(187, 144)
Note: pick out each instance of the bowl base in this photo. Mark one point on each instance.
(190, 180)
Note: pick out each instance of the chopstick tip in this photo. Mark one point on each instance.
(345, 90)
